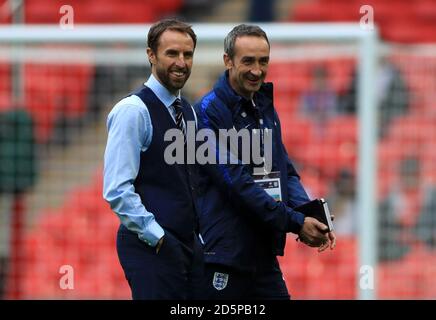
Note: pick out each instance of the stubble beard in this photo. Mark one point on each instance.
(172, 85)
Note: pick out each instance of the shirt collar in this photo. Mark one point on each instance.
(166, 97)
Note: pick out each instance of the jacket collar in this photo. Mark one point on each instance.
(263, 98)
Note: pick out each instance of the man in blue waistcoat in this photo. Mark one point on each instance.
(157, 240)
(246, 208)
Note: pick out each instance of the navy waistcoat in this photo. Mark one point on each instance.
(167, 191)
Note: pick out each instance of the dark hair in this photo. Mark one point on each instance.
(239, 31)
(161, 26)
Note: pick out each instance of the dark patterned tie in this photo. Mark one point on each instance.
(177, 104)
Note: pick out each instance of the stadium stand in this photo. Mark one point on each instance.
(80, 233)
(101, 11)
(407, 134)
(306, 271)
(398, 23)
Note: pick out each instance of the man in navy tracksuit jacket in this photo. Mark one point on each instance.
(242, 227)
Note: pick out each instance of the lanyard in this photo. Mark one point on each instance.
(259, 119)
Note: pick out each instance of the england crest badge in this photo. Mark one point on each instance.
(220, 280)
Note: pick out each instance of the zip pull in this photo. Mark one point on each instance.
(258, 113)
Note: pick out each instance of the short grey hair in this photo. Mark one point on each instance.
(240, 31)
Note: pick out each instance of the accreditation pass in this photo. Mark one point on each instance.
(270, 183)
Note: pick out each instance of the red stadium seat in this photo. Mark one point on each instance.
(115, 11)
(308, 12)
(314, 183)
(139, 12)
(342, 129)
(80, 233)
(391, 152)
(398, 32)
(412, 130)
(304, 270)
(286, 105)
(415, 270)
(330, 158)
(168, 6)
(425, 10)
(427, 157)
(340, 71)
(42, 11)
(343, 12)
(100, 11)
(293, 77)
(55, 91)
(297, 132)
(6, 15)
(5, 87)
(402, 22)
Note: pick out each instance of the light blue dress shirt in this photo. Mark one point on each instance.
(130, 132)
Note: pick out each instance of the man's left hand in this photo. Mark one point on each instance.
(331, 242)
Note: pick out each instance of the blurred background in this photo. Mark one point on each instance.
(54, 100)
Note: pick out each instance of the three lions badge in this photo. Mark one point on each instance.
(220, 280)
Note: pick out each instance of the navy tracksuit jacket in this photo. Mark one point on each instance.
(239, 222)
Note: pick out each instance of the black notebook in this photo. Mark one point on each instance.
(317, 209)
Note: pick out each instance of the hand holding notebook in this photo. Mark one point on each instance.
(319, 210)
